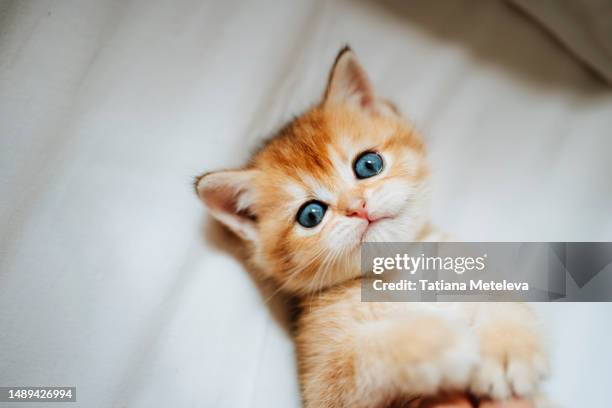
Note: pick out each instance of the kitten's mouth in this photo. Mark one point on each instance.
(371, 223)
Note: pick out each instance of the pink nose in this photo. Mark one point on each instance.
(358, 210)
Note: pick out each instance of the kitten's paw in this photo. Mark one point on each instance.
(427, 354)
(513, 361)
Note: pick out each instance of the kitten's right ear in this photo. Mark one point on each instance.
(229, 197)
(348, 84)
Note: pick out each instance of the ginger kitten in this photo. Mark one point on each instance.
(350, 170)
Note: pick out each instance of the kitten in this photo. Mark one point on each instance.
(351, 170)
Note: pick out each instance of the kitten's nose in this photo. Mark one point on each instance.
(358, 209)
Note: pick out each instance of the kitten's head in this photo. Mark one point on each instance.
(348, 170)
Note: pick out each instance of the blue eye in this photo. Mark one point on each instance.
(367, 165)
(311, 214)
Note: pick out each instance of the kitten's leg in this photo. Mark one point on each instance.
(513, 357)
(374, 358)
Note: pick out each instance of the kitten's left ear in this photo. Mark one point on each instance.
(229, 197)
(349, 84)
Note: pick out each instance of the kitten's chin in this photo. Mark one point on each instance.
(379, 230)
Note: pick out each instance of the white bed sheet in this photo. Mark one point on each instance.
(112, 279)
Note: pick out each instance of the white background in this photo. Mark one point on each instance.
(112, 279)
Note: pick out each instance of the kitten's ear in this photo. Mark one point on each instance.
(349, 84)
(229, 197)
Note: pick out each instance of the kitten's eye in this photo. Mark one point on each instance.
(367, 165)
(311, 214)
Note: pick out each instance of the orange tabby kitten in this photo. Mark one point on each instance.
(351, 170)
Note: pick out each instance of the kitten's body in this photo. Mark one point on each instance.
(357, 354)
(352, 353)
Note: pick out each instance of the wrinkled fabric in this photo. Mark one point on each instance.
(584, 27)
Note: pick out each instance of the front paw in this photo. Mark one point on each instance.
(513, 360)
(426, 355)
